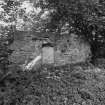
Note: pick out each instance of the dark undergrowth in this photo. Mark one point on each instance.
(77, 84)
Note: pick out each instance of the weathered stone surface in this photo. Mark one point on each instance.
(48, 55)
(68, 49)
(24, 48)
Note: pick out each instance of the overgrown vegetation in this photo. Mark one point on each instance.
(70, 85)
(6, 39)
(86, 18)
(78, 84)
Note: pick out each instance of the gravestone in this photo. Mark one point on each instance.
(48, 55)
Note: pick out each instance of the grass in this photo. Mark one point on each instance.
(63, 85)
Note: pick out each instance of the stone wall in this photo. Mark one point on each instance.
(68, 49)
(24, 48)
(71, 49)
